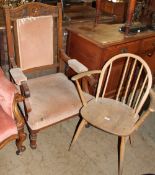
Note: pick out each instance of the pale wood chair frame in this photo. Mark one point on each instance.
(123, 137)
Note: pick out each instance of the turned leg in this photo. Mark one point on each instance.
(77, 132)
(121, 155)
(33, 139)
(20, 140)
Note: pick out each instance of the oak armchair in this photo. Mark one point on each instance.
(34, 36)
(11, 122)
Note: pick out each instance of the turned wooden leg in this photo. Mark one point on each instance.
(121, 155)
(77, 132)
(20, 140)
(33, 139)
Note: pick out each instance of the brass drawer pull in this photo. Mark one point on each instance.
(124, 50)
(149, 54)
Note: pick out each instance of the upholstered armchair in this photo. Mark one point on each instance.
(11, 122)
(34, 36)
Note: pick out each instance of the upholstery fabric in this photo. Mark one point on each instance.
(34, 29)
(7, 125)
(77, 66)
(18, 75)
(53, 98)
(7, 91)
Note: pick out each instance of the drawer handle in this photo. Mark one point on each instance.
(124, 50)
(149, 54)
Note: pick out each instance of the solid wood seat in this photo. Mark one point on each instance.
(110, 115)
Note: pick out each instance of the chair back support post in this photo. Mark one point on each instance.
(9, 35)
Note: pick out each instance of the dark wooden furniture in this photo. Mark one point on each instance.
(94, 46)
(118, 10)
(37, 39)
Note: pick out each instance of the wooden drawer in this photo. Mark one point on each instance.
(131, 47)
(148, 45)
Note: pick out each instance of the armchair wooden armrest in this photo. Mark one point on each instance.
(73, 63)
(87, 76)
(21, 80)
(84, 74)
(146, 113)
(18, 75)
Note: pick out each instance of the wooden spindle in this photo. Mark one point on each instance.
(130, 78)
(123, 77)
(107, 79)
(135, 87)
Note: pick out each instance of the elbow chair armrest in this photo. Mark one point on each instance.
(146, 113)
(73, 63)
(84, 74)
(21, 80)
(18, 75)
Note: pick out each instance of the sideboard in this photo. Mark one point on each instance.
(94, 45)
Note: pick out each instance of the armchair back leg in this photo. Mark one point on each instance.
(33, 139)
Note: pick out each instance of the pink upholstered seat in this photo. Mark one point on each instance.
(46, 111)
(7, 125)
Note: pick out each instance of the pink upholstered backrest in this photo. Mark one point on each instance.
(34, 36)
(7, 91)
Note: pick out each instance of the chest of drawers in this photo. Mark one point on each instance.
(94, 46)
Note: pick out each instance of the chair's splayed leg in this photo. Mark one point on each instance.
(20, 140)
(33, 139)
(77, 132)
(121, 155)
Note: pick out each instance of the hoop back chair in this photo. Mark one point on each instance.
(35, 42)
(11, 122)
(120, 114)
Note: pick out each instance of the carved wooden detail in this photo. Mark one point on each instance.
(33, 9)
